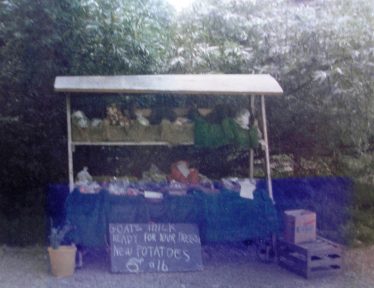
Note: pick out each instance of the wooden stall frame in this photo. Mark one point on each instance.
(186, 84)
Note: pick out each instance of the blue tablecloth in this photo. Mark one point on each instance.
(221, 217)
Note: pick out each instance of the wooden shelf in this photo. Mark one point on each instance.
(107, 143)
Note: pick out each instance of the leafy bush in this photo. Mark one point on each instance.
(38, 41)
(321, 52)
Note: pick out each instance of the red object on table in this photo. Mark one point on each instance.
(181, 172)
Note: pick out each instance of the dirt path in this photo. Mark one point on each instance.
(226, 267)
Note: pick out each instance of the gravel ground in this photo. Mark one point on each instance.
(224, 266)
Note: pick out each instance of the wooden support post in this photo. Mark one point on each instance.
(70, 144)
(267, 155)
(251, 151)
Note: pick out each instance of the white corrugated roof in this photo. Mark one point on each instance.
(212, 84)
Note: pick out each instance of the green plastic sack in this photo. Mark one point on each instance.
(214, 135)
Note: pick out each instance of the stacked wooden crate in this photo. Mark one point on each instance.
(304, 253)
(311, 259)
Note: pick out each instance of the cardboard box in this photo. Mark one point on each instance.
(299, 226)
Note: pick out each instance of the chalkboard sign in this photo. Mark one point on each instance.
(154, 247)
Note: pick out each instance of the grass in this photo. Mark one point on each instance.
(363, 214)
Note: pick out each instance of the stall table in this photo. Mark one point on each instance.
(221, 217)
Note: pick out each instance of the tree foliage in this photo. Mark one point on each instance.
(321, 52)
(38, 41)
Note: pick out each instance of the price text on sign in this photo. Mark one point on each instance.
(155, 247)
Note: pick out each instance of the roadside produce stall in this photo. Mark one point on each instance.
(225, 210)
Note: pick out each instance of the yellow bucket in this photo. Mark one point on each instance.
(62, 260)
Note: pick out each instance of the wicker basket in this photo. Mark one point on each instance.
(177, 134)
(115, 133)
(141, 133)
(80, 134)
(90, 134)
